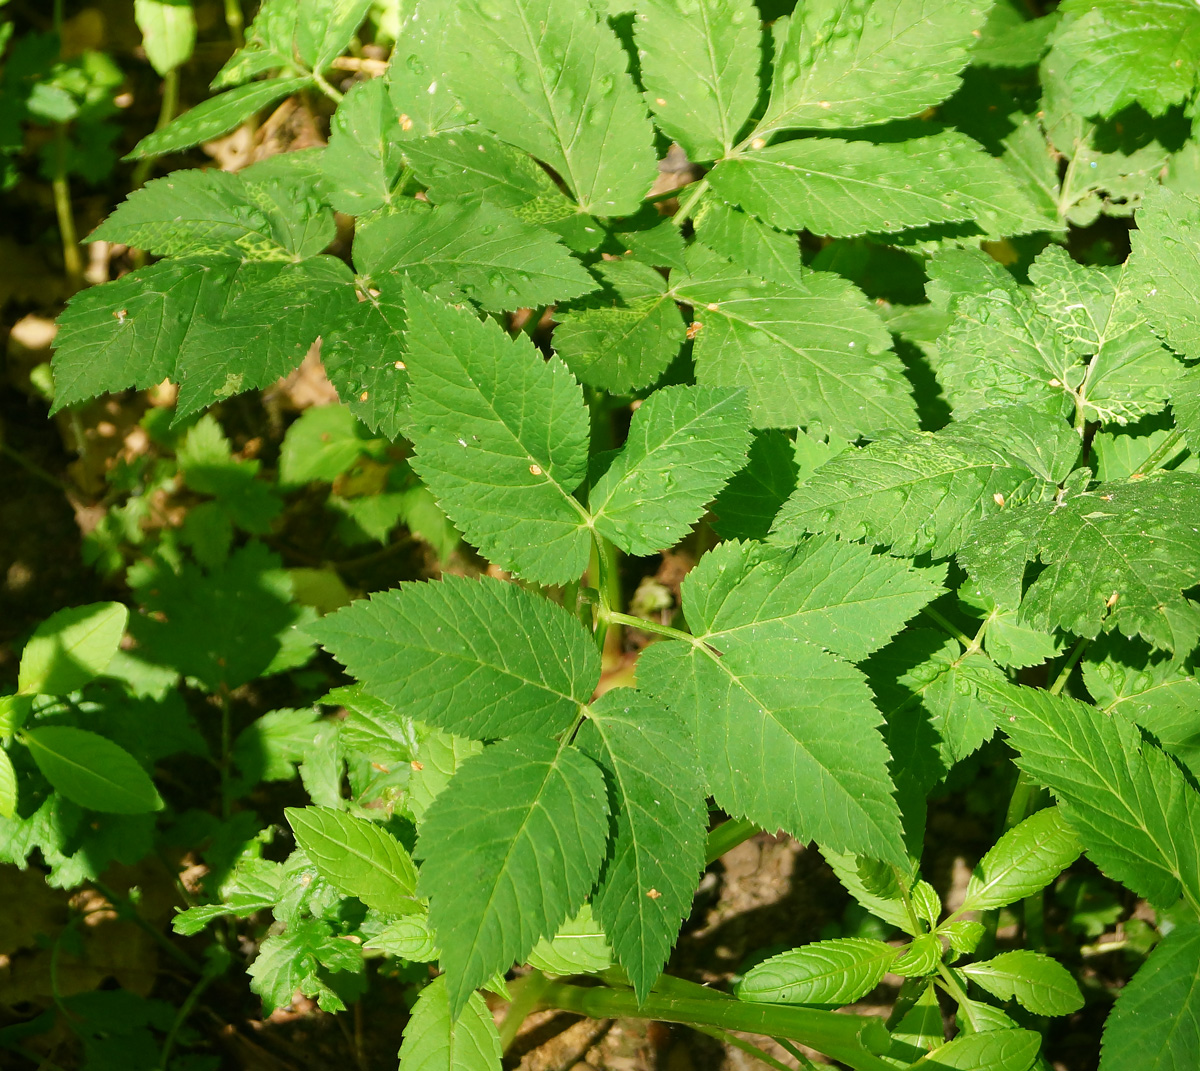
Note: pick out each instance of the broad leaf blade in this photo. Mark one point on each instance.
(784, 703)
(92, 771)
(70, 648)
(549, 78)
(510, 848)
(1164, 267)
(838, 971)
(437, 1040)
(1023, 861)
(660, 819)
(364, 161)
(683, 444)
(357, 857)
(1037, 982)
(481, 658)
(501, 440)
(700, 70)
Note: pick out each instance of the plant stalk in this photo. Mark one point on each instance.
(166, 112)
(686, 209)
(236, 22)
(526, 993)
(72, 260)
(1163, 452)
(726, 836)
(855, 1040)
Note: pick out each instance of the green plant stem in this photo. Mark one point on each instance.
(1163, 452)
(1064, 674)
(181, 1017)
(1018, 805)
(72, 260)
(856, 1040)
(689, 206)
(949, 626)
(526, 992)
(729, 834)
(951, 985)
(33, 468)
(166, 112)
(235, 21)
(333, 94)
(615, 618)
(795, 1053)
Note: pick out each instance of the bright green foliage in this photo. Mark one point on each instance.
(810, 352)
(839, 971)
(293, 961)
(650, 766)
(1166, 990)
(501, 439)
(356, 856)
(363, 162)
(1027, 858)
(433, 651)
(1136, 814)
(1036, 981)
(8, 786)
(1165, 265)
(438, 1040)
(1116, 556)
(91, 771)
(683, 444)
(579, 947)
(168, 31)
(70, 648)
(997, 1050)
(1079, 339)
(924, 493)
(699, 70)
(509, 850)
(530, 70)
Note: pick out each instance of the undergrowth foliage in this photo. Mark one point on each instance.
(946, 471)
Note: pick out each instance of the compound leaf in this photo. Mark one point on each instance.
(437, 1040)
(838, 971)
(699, 66)
(660, 820)
(549, 78)
(439, 652)
(837, 595)
(357, 857)
(684, 443)
(1134, 810)
(1156, 1022)
(501, 439)
(784, 704)
(511, 847)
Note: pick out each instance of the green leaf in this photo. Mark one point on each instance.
(659, 819)
(840, 64)
(409, 938)
(208, 467)
(1155, 1025)
(1037, 982)
(510, 848)
(920, 958)
(626, 337)
(481, 251)
(436, 650)
(840, 188)
(364, 354)
(421, 98)
(168, 31)
(70, 648)
(920, 492)
(357, 857)
(269, 748)
(501, 439)
(1134, 810)
(470, 167)
(1164, 267)
(777, 704)
(811, 353)
(291, 961)
(91, 771)
(684, 443)
(699, 67)
(838, 971)
(547, 77)
(921, 1028)
(890, 908)
(833, 594)
(1023, 861)
(439, 756)
(992, 1050)
(745, 240)
(322, 444)
(1079, 339)
(8, 786)
(1150, 688)
(1115, 557)
(325, 29)
(435, 1039)
(373, 727)
(216, 116)
(270, 44)
(579, 947)
(747, 505)
(1099, 54)
(364, 159)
